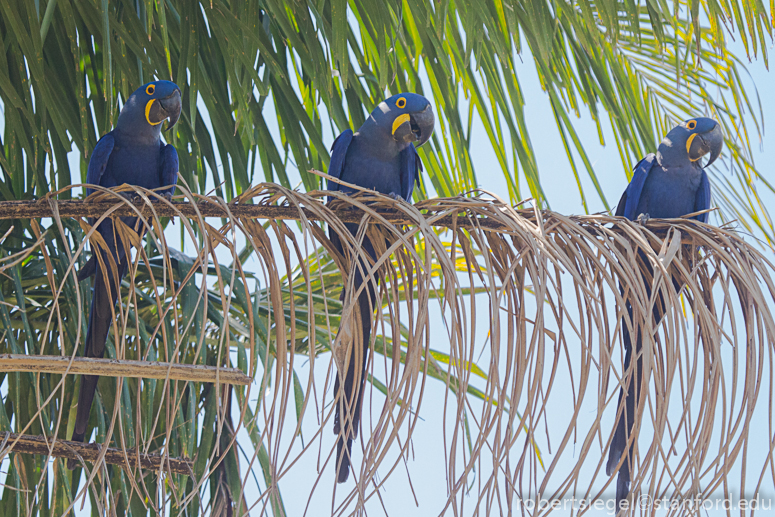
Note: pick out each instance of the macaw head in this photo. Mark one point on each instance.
(150, 105)
(691, 140)
(408, 117)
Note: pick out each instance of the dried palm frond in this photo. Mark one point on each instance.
(518, 312)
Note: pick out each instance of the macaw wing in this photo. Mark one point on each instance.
(169, 168)
(411, 169)
(338, 154)
(702, 199)
(628, 204)
(99, 161)
(97, 165)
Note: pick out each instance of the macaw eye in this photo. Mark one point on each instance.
(150, 89)
(401, 102)
(691, 124)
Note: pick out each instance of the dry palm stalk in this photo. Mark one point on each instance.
(122, 368)
(129, 459)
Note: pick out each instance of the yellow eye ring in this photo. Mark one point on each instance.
(691, 124)
(150, 89)
(401, 102)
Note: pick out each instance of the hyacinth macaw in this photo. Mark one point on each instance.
(668, 184)
(381, 155)
(132, 153)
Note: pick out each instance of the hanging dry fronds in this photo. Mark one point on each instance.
(517, 312)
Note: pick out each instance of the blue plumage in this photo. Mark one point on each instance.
(668, 184)
(338, 155)
(631, 196)
(672, 182)
(132, 153)
(702, 198)
(381, 156)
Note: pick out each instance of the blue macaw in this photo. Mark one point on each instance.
(132, 153)
(381, 155)
(669, 184)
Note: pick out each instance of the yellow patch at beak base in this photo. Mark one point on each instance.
(689, 147)
(148, 106)
(401, 119)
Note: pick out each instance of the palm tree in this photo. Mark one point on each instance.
(252, 70)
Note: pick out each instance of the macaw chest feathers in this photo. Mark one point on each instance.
(135, 164)
(669, 193)
(373, 167)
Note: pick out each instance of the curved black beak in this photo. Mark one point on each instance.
(421, 125)
(712, 142)
(171, 106)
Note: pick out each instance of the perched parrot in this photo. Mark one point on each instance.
(668, 184)
(381, 155)
(132, 153)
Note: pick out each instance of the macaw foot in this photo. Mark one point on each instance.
(132, 197)
(394, 196)
(643, 219)
(164, 195)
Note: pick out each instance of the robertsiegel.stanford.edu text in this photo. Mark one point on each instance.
(648, 502)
